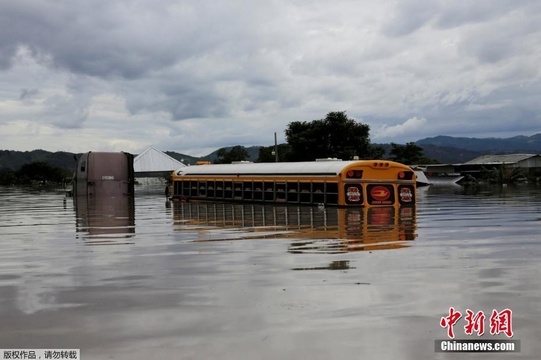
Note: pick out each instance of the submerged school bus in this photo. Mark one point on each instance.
(328, 182)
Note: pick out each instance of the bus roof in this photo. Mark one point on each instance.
(333, 167)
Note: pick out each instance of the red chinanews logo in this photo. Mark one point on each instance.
(500, 322)
(353, 193)
(380, 193)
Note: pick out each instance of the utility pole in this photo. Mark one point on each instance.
(275, 148)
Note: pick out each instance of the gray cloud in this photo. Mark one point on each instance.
(205, 74)
(410, 15)
(27, 95)
(458, 13)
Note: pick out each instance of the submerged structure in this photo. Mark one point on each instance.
(323, 182)
(104, 173)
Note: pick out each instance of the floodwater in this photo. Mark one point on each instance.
(143, 278)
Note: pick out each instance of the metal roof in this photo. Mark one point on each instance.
(154, 160)
(499, 159)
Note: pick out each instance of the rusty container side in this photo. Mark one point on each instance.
(105, 173)
(80, 180)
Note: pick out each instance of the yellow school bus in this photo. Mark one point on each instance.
(324, 182)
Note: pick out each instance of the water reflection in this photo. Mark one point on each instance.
(312, 229)
(333, 265)
(105, 220)
(169, 294)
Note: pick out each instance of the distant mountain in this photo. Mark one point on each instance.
(186, 159)
(445, 149)
(517, 144)
(449, 155)
(13, 160)
(253, 154)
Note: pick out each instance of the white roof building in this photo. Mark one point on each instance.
(152, 161)
(511, 160)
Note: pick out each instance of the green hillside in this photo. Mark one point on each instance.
(445, 149)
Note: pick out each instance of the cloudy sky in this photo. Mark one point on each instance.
(194, 76)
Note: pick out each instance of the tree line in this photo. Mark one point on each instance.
(335, 136)
(35, 173)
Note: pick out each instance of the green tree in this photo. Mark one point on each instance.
(502, 174)
(227, 156)
(409, 154)
(335, 136)
(266, 153)
(7, 177)
(40, 172)
(375, 152)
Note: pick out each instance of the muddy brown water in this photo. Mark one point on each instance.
(144, 278)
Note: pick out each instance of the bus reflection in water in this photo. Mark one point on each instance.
(105, 220)
(311, 229)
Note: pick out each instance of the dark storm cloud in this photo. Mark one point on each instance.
(503, 40)
(144, 43)
(212, 72)
(183, 103)
(87, 37)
